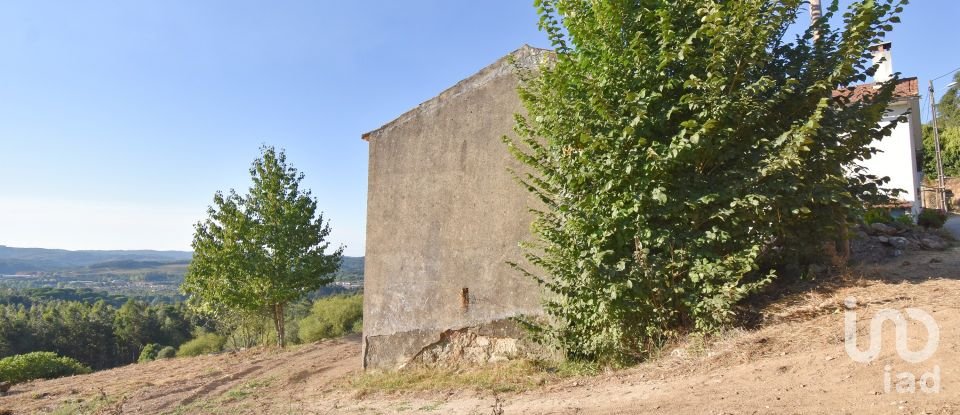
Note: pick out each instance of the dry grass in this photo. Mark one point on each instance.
(514, 376)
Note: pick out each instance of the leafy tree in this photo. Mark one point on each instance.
(175, 326)
(948, 109)
(134, 327)
(684, 151)
(100, 340)
(260, 251)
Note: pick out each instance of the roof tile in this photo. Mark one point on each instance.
(906, 88)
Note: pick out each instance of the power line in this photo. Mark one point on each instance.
(946, 74)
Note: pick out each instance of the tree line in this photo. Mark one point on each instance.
(27, 296)
(96, 334)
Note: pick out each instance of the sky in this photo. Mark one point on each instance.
(119, 120)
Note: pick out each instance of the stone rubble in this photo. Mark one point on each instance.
(878, 242)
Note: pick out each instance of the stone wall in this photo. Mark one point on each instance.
(444, 217)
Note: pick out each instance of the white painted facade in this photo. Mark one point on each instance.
(897, 158)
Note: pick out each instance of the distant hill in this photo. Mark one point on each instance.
(134, 264)
(14, 260)
(28, 260)
(352, 265)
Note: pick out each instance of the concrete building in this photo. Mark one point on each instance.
(444, 217)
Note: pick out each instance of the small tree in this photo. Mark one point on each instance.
(683, 150)
(260, 251)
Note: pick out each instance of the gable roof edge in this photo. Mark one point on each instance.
(526, 56)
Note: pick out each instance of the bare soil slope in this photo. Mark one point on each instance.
(795, 363)
(252, 381)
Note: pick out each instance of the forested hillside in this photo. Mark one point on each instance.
(17, 260)
(149, 275)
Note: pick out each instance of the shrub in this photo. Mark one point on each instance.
(166, 352)
(333, 317)
(905, 219)
(203, 343)
(149, 352)
(932, 218)
(244, 329)
(877, 215)
(39, 365)
(684, 154)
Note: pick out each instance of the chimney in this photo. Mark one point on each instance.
(882, 57)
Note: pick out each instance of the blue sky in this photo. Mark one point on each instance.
(119, 120)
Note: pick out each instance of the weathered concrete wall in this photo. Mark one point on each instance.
(444, 216)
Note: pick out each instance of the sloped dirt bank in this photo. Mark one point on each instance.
(795, 363)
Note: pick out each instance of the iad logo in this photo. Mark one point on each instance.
(906, 381)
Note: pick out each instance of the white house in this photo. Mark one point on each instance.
(897, 158)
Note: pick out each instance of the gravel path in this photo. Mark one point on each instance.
(953, 225)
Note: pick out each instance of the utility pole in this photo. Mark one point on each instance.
(941, 196)
(815, 14)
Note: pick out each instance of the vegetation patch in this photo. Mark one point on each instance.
(39, 365)
(433, 406)
(204, 343)
(514, 376)
(333, 317)
(166, 353)
(932, 218)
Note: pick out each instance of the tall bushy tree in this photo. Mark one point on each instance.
(681, 148)
(134, 327)
(948, 110)
(260, 251)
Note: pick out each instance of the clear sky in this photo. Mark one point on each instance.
(119, 120)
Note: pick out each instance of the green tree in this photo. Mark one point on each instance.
(684, 151)
(174, 326)
(948, 110)
(100, 338)
(134, 327)
(260, 251)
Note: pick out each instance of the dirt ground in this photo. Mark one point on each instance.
(795, 363)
